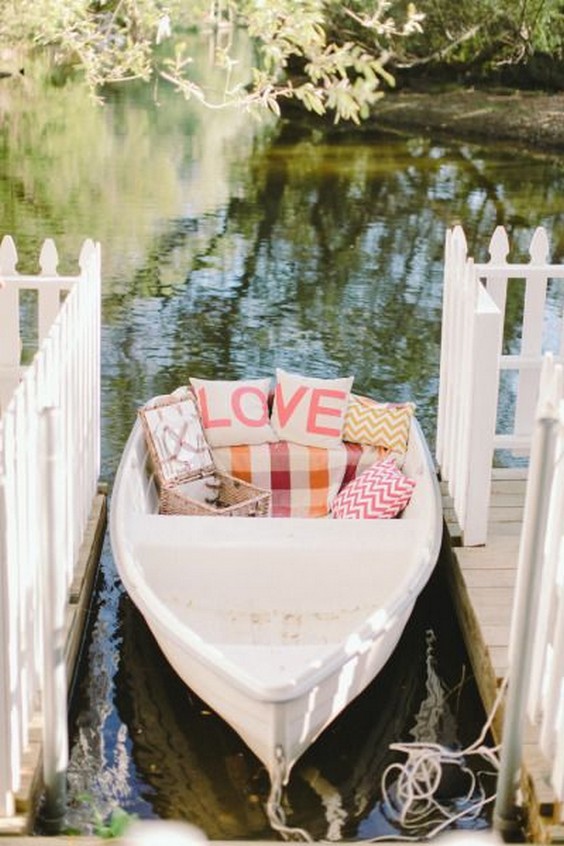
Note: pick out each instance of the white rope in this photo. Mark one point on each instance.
(274, 810)
(412, 798)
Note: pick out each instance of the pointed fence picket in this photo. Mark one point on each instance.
(472, 362)
(64, 374)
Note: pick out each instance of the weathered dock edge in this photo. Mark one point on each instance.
(471, 574)
(78, 604)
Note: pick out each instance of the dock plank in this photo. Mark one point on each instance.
(482, 583)
(491, 577)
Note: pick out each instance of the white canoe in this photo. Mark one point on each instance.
(277, 623)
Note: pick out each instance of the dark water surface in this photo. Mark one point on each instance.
(230, 248)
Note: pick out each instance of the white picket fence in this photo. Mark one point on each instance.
(546, 684)
(536, 650)
(474, 307)
(64, 374)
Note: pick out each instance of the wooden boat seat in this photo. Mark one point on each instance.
(235, 535)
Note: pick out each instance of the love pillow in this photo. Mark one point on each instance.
(310, 411)
(234, 412)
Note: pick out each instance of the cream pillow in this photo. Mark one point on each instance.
(234, 412)
(310, 411)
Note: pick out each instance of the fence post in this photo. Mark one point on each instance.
(483, 392)
(445, 350)
(7, 804)
(54, 584)
(551, 682)
(525, 606)
(452, 314)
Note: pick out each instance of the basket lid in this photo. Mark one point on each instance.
(177, 442)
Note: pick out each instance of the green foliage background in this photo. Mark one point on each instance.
(486, 35)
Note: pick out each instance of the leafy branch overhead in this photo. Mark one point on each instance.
(331, 57)
(298, 52)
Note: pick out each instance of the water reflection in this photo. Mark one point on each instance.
(163, 753)
(327, 256)
(230, 247)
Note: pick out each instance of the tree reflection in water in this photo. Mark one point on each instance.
(327, 256)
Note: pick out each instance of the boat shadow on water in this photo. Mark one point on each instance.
(191, 765)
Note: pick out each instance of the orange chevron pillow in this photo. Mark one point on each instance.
(383, 424)
(381, 492)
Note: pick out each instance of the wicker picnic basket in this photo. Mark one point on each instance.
(187, 478)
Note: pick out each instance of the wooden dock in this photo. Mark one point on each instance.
(482, 582)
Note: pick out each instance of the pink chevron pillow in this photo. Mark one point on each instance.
(382, 491)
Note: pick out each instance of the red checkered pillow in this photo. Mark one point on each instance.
(381, 491)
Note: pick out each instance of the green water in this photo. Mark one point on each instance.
(230, 248)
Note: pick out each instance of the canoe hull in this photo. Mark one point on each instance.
(276, 623)
(279, 732)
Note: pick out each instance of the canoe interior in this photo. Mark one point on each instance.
(275, 581)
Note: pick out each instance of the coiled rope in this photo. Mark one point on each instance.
(411, 799)
(412, 796)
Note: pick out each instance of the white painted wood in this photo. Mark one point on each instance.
(484, 391)
(536, 646)
(49, 295)
(498, 250)
(526, 606)
(547, 678)
(462, 368)
(49, 258)
(8, 256)
(448, 411)
(532, 334)
(65, 372)
(7, 798)
(464, 359)
(465, 401)
(54, 588)
(11, 753)
(523, 362)
(518, 270)
(447, 345)
(9, 306)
